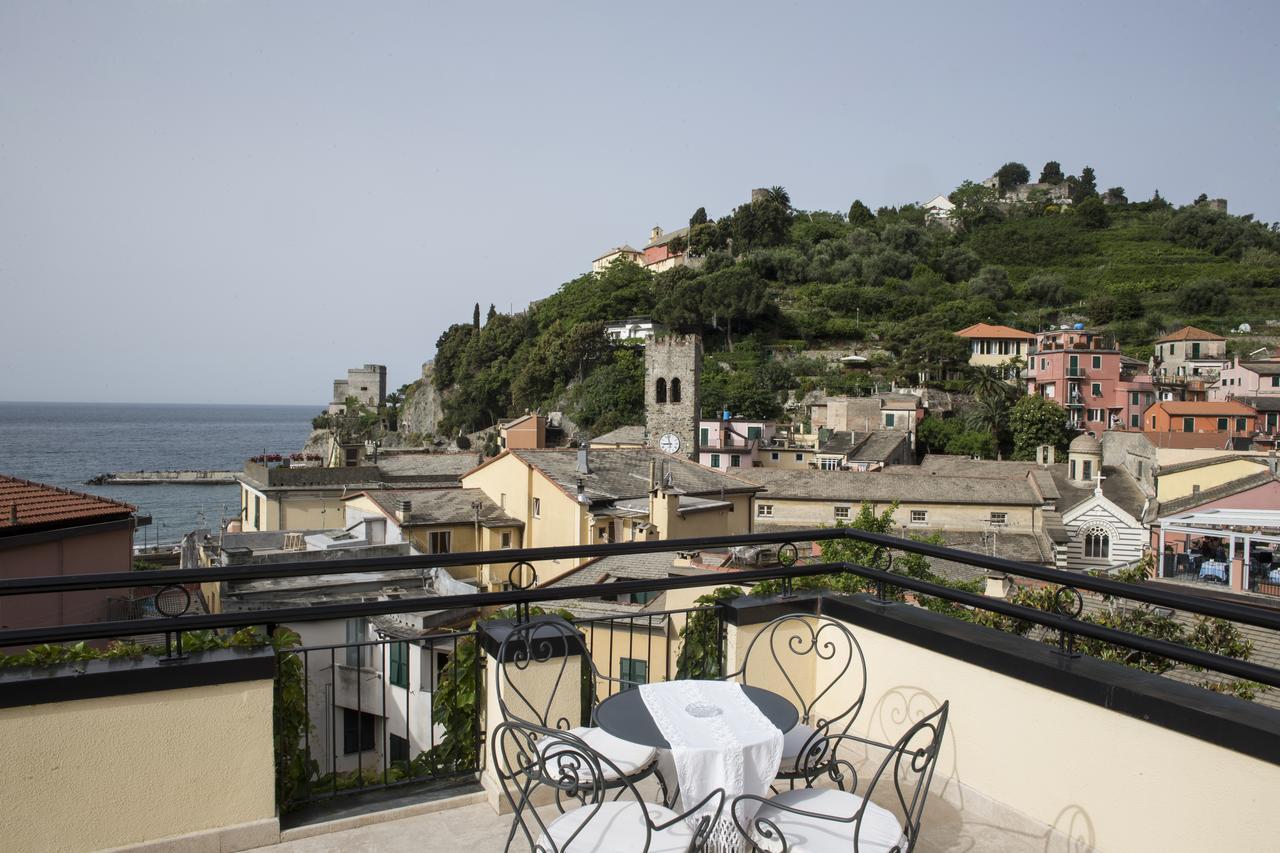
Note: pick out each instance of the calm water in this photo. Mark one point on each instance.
(67, 443)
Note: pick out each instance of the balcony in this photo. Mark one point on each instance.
(1075, 372)
(1047, 748)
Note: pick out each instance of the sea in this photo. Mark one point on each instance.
(65, 444)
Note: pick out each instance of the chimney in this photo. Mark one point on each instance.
(653, 474)
(584, 460)
(403, 507)
(13, 513)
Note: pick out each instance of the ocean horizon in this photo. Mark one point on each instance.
(66, 443)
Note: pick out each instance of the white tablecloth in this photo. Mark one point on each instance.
(719, 739)
(1213, 569)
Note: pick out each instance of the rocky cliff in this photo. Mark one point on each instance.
(421, 411)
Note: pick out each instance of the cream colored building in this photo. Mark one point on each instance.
(998, 346)
(588, 496)
(617, 253)
(1192, 477)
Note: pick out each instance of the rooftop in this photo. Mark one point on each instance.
(632, 434)
(28, 507)
(1217, 493)
(1262, 368)
(876, 487)
(441, 506)
(1204, 407)
(1190, 333)
(987, 330)
(621, 473)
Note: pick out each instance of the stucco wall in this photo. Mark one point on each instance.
(1179, 484)
(103, 551)
(816, 513)
(107, 772)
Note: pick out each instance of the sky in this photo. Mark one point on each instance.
(233, 202)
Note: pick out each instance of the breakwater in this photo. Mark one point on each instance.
(177, 478)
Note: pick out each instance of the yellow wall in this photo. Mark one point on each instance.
(1101, 776)
(291, 510)
(178, 762)
(815, 513)
(1179, 484)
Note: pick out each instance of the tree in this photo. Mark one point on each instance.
(699, 217)
(612, 395)
(988, 415)
(974, 443)
(493, 312)
(1086, 186)
(1052, 173)
(934, 433)
(780, 196)
(759, 223)
(1115, 195)
(987, 383)
(975, 205)
(958, 263)
(1092, 213)
(860, 215)
(1034, 421)
(475, 317)
(1012, 174)
(991, 283)
(1205, 296)
(733, 294)
(1047, 289)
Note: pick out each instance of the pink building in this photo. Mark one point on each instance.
(733, 442)
(1081, 371)
(1247, 379)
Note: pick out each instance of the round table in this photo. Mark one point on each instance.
(624, 715)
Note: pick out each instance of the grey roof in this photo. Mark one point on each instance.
(657, 566)
(1212, 460)
(618, 474)
(450, 466)
(1226, 490)
(1084, 443)
(1262, 368)
(667, 237)
(840, 442)
(878, 446)
(443, 506)
(1118, 486)
(857, 486)
(1034, 548)
(633, 434)
(964, 466)
(1263, 402)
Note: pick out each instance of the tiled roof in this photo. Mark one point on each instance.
(1216, 493)
(622, 435)
(1262, 368)
(443, 506)
(858, 486)
(1204, 407)
(987, 330)
(26, 507)
(1212, 460)
(618, 474)
(667, 237)
(427, 465)
(1190, 333)
(1264, 403)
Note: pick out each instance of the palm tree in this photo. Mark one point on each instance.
(780, 196)
(988, 414)
(987, 383)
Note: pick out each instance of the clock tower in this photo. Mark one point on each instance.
(672, 369)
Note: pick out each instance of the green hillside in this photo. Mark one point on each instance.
(772, 282)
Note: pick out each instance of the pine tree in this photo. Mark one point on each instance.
(475, 316)
(493, 312)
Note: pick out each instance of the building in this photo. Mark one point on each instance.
(1247, 379)
(368, 385)
(617, 253)
(634, 329)
(733, 442)
(588, 496)
(46, 531)
(895, 411)
(939, 209)
(437, 521)
(280, 498)
(1001, 347)
(666, 249)
(624, 437)
(1213, 423)
(1187, 363)
(527, 432)
(673, 370)
(1086, 374)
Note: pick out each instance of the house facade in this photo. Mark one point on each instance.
(1218, 420)
(666, 249)
(617, 253)
(1086, 374)
(734, 442)
(1000, 347)
(1247, 379)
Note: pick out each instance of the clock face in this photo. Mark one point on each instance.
(670, 443)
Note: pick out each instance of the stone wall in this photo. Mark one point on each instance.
(422, 408)
(670, 363)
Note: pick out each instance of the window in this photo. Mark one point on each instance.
(1135, 420)
(399, 665)
(399, 749)
(1095, 388)
(438, 541)
(506, 539)
(1044, 364)
(753, 433)
(660, 390)
(829, 463)
(633, 671)
(1141, 467)
(703, 438)
(764, 510)
(1188, 424)
(357, 632)
(842, 513)
(537, 507)
(774, 456)
(1275, 381)
(257, 512)
(1241, 424)
(1096, 415)
(1097, 544)
(888, 419)
(1073, 469)
(1097, 362)
(735, 461)
(1153, 421)
(799, 457)
(357, 731)
(1000, 518)
(1172, 348)
(1222, 424)
(675, 390)
(919, 516)
(1087, 472)
(715, 460)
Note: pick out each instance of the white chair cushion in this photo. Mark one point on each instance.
(630, 758)
(617, 827)
(792, 742)
(880, 830)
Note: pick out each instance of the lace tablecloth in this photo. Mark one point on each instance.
(719, 739)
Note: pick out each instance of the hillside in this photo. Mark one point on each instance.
(768, 286)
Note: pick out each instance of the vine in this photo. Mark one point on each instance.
(700, 637)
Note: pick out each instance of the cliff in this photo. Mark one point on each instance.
(422, 409)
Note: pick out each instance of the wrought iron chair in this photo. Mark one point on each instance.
(585, 819)
(812, 819)
(779, 651)
(543, 641)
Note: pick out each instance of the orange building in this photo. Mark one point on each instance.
(528, 432)
(1223, 418)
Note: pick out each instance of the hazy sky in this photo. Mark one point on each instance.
(235, 201)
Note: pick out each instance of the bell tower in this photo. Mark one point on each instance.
(672, 370)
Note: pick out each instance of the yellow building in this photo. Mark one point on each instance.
(997, 346)
(1200, 475)
(439, 521)
(588, 496)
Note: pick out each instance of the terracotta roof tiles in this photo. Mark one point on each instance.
(987, 330)
(26, 506)
(1190, 333)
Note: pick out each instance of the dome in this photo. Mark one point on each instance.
(1085, 443)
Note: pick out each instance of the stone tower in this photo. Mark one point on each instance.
(672, 370)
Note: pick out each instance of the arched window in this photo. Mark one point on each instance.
(675, 390)
(1097, 543)
(660, 391)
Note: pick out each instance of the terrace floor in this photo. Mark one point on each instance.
(473, 826)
